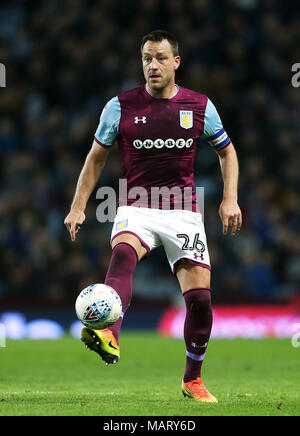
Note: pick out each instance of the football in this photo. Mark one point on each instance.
(98, 306)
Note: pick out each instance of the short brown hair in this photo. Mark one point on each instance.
(158, 36)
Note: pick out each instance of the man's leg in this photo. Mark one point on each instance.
(195, 286)
(127, 250)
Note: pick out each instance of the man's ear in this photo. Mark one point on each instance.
(177, 62)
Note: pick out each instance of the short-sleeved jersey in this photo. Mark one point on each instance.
(157, 137)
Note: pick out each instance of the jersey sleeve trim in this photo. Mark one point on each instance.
(100, 143)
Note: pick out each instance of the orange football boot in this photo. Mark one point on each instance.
(196, 390)
(102, 342)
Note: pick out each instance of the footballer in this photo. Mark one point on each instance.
(156, 126)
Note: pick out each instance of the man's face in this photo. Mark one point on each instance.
(159, 64)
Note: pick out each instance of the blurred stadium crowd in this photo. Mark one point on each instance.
(65, 60)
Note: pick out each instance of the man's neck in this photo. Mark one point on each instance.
(166, 93)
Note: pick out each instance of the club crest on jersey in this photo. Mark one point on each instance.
(186, 119)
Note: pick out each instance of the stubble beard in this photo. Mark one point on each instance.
(158, 87)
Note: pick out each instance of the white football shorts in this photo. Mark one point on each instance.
(180, 232)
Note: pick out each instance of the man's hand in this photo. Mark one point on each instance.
(87, 180)
(73, 222)
(231, 216)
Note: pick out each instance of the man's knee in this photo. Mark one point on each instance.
(124, 254)
(131, 240)
(198, 300)
(192, 277)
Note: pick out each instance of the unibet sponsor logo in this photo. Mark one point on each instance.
(160, 143)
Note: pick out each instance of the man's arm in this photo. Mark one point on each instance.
(87, 180)
(229, 210)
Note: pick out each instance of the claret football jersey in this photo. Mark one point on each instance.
(157, 139)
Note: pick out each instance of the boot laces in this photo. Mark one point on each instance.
(197, 386)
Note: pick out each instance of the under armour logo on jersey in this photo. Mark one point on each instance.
(140, 120)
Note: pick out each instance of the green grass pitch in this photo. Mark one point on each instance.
(249, 377)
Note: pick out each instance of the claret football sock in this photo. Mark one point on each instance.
(119, 276)
(197, 329)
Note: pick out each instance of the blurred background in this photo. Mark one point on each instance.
(64, 61)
